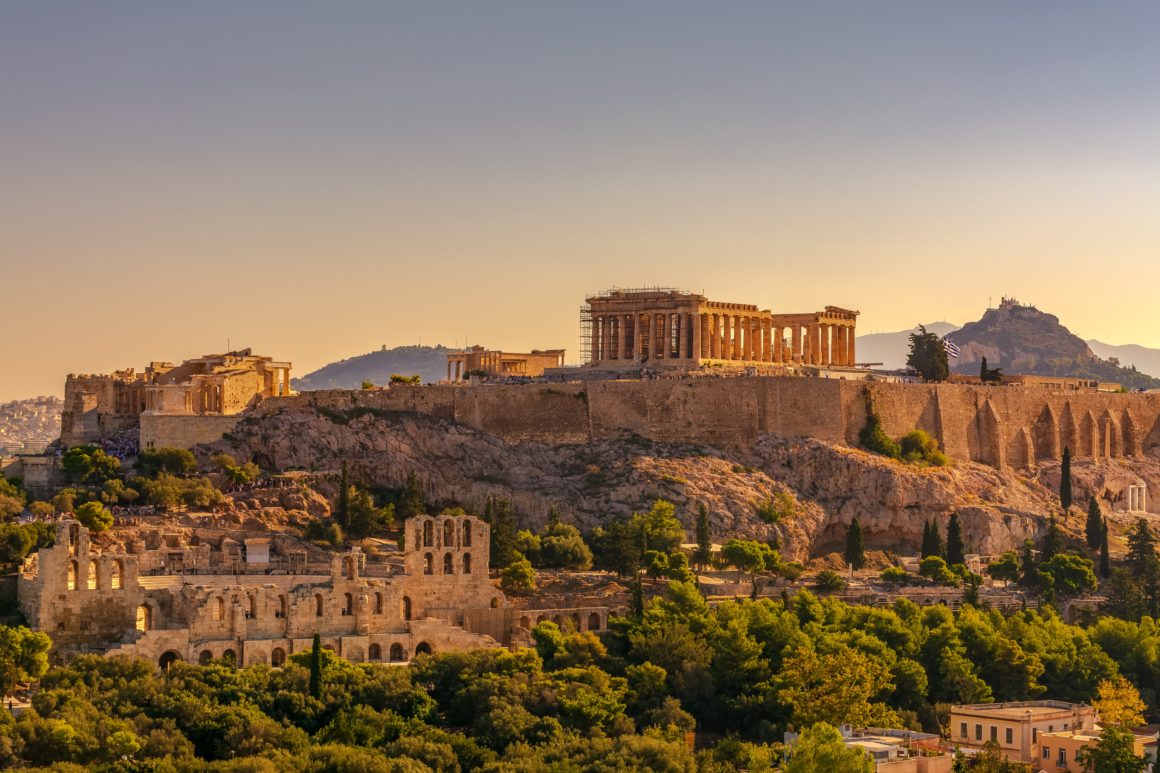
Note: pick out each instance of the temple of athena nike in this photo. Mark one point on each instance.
(667, 328)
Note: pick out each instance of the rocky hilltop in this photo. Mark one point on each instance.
(804, 492)
(428, 362)
(1023, 339)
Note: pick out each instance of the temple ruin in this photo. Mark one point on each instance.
(668, 328)
(476, 360)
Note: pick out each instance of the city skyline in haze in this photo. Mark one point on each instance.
(316, 182)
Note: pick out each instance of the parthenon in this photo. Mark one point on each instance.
(669, 328)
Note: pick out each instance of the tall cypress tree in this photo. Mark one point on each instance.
(637, 597)
(1052, 541)
(342, 510)
(855, 554)
(704, 538)
(1105, 559)
(1065, 480)
(955, 550)
(316, 668)
(925, 551)
(936, 543)
(1094, 527)
(411, 503)
(1027, 567)
(499, 516)
(983, 371)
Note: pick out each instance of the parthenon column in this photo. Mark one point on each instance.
(850, 331)
(795, 343)
(737, 336)
(621, 336)
(608, 337)
(824, 336)
(698, 321)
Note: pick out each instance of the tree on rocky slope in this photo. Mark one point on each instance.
(855, 553)
(1105, 557)
(928, 356)
(1065, 480)
(1094, 527)
(704, 551)
(956, 552)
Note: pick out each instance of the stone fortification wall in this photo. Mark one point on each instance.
(164, 431)
(1001, 426)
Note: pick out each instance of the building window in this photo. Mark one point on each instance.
(978, 732)
(1062, 761)
(1034, 734)
(1010, 736)
(448, 564)
(963, 730)
(1046, 752)
(994, 733)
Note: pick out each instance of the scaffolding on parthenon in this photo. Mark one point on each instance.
(586, 313)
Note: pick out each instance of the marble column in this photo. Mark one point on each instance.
(698, 320)
(737, 337)
(850, 354)
(621, 338)
(795, 343)
(824, 333)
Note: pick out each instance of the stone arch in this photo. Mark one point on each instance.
(525, 622)
(467, 563)
(277, 657)
(448, 564)
(1089, 437)
(1131, 434)
(117, 575)
(74, 537)
(144, 621)
(205, 657)
(319, 605)
(1046, 435)
(428, 533)
(348, 568)
(428, 563)
(229, 657)
(423, 648)
(219, 608)
(466, 533)
(375, 652)
(449, 533)
(593, 621)
(92, 582)
(73, 570)
(406, 607)
(347, 605)
(378, 603)
(280, 610)
(167, 659)
(397, 655)
(494, 604)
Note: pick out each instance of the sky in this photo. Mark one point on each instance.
(317, 180)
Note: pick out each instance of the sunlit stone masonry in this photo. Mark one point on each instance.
(625, 329)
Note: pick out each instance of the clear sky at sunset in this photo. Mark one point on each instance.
(315, 180)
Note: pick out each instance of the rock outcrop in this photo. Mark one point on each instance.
(801, 491)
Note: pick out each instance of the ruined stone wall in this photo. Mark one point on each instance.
(1001, 426)
(163, 431)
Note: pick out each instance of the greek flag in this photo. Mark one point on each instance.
(952, 350)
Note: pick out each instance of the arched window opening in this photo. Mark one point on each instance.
(375, 652)
(117, 577)
(347, 604)
(467, 563)
(448, 534)
(348, 567)
(229, 657)
(378, 603)
(397, 655)
(204, 658)
(318, 605)
(144, 618)
(525, 622)
(495, 602)
(406, 607)
(219, 608)
(74, 535)
(72, 575)
(428, 534)
(467, 534)
(594, 622)
(280, 610)
(167, 659)
(428, 563)
(251, 607)
(278, 657)
(92, 583)
(448, 564)
(423, 649)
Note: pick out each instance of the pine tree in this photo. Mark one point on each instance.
(637, 597)
(1094, 527)
(855, 554)
(704, 538)
(936, 543)
(983, 371)
(1105, 558)
(955, 550)
(1144, 564)
(342, 510)
(1065, 480)
(316, 668)
(925, 551)
(1052, 541)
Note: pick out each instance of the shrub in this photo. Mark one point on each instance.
(935, 568)
(895, 575)
(829, 580)
(518, 576)
(873, 438)
(917, 447)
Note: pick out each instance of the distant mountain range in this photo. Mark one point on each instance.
(1023, 339)
(428, 362)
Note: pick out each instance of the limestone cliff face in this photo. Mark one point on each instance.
(811, 488)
